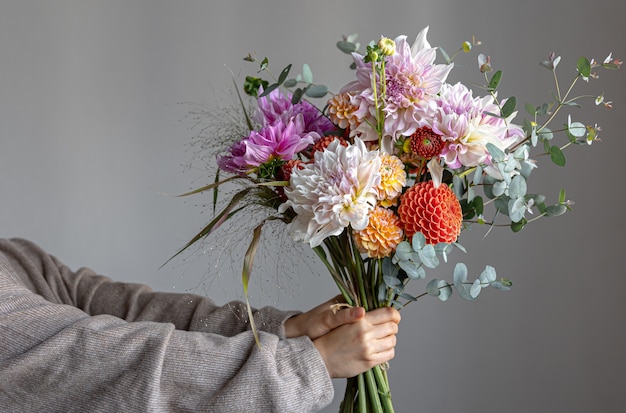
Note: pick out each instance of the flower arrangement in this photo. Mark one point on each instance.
(382, 179)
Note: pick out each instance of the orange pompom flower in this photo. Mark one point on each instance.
(433, 211)
(341, 111)
(382, 234)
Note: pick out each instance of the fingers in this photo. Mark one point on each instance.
(345, 316)
(383, 315)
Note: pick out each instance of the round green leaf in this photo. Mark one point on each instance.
(557, 156)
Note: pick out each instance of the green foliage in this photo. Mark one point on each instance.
(252, 84)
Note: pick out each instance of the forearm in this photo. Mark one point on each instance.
(96, 294)
(55, 357)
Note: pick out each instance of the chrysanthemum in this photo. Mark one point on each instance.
(382, 234)
(392, 179)
(341, 111)
(466, 126)
(433, 211)
(335, 191)
(279, 141)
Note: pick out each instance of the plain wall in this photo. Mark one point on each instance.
(93, 136)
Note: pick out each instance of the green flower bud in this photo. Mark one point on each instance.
(387, 46)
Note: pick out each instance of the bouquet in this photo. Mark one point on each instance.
(381, 178)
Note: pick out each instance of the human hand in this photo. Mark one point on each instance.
(353, 348)
(322, 319)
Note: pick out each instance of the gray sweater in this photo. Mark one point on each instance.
(79, 342)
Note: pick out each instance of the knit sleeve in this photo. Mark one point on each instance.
(96, 294)
(56, 357)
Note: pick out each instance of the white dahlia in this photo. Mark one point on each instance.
(335, 191)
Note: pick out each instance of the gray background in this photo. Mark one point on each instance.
(93, 135)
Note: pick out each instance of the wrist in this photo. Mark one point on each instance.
(293, 326)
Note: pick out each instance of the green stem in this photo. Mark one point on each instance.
(362, 400)
(373, 392)
(347, 404)
(383, 386)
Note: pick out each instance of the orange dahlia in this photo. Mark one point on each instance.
(381, 235)
(435, 212)
(341, 111)
(392, 179)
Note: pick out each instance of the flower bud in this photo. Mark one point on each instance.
(387, 46)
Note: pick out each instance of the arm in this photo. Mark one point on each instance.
(96, 294)
(55, 357)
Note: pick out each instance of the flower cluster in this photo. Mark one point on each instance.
(383, 177)
(390, 154)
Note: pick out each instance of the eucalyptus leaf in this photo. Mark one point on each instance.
(518, 187)
(517, 209)
(488, 275)
(496, 153)
(412, 270)
(418, 242)
(519, 225)
(499, 188)
(577, 129)
(307, 74)
(346, 46)
(557, 156)
(457, 186)
(475, 289)
(509, 107)
(428, 256)
(445, 290)
(531, 109)
(269, 89)
(495, 80)
(317, 91)
(283, 75)
(432, 288)
(297, 96)
(555, 210)
(290, 83)
(478, 175)
(391, 282)
(546, 134)
(460, 274)
(382, 292)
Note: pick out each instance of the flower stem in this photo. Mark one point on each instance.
(373, 392)
(361, 396)
(383, 388)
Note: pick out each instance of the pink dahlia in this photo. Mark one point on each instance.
(279, 141)
(412, 81)
(433, 211)
(466, 126)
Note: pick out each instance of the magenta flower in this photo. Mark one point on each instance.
(280, 141)
(276, 106)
